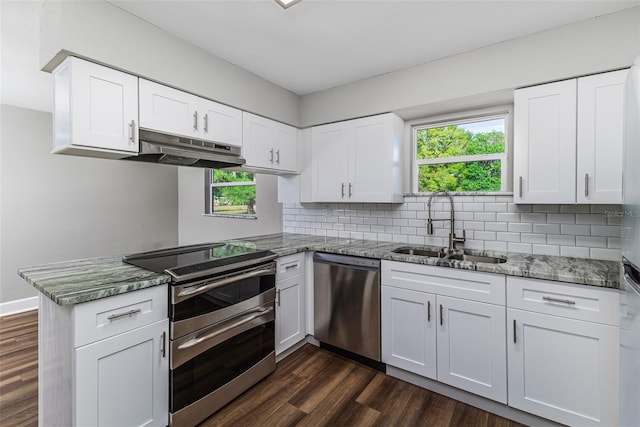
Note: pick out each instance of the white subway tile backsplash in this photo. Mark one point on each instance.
(533, 238)
(591, 241)
(576, 230)
(608, 254)
(561, 240)
(519, 247)
(495, 246)
(546, 250)
(490, 222)
(574, 251)
(520, 227)
(508, 237)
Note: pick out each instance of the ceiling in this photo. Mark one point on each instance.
(319, 44)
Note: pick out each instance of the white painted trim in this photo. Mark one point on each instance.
(18, 306)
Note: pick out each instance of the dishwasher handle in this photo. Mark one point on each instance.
(347, 261)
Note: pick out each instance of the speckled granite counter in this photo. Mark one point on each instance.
(74, 282)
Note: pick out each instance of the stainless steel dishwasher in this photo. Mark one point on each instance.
(347, 303)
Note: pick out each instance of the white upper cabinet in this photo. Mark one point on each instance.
(545, 143)
(173, 111)
(357, 160)
(568, 141)
(600, 125)
(269, 146)
(95, 110)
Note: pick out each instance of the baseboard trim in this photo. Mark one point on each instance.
(18, 306)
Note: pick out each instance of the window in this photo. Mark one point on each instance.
(230, 193)
(464, 155)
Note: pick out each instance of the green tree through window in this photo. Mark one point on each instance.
(467, 156)
(232, 192)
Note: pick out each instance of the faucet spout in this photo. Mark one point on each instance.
(453, 239)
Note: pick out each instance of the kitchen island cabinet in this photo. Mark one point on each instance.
(105, 362)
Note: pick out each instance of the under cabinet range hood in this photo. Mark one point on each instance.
(156, 147)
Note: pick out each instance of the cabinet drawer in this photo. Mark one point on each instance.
(106, 317)
(289, 266)
(473, 285)
(579, 302)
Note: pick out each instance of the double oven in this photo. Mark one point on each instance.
(222, 313)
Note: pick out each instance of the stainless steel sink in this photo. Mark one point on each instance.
(419, 252)
(477, 258)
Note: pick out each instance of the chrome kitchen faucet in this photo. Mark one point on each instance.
(452, 235)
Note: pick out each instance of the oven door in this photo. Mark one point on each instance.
(212, 366)
(199, 304)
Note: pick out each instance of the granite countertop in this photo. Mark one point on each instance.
(74, 282)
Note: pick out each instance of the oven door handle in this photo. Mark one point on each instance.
(196, 290)
(254, 314)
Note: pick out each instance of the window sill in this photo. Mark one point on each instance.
(231, 216)
(464, 193)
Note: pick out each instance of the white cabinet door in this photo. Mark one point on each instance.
(545, 143)
(169, 110)
(563, 369)
(219, 123)
(330, 162)
(269, 145)
(290, 312)
(286, 145)
(124, 380)
(94, 107)
(471, 347)
(600, 124)
(408, 320)
(370, 177)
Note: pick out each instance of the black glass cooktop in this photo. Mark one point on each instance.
(188, 260)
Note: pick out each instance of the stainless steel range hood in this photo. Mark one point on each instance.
(156, 147)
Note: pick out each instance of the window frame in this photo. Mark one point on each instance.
(506, 165)
(210, 184)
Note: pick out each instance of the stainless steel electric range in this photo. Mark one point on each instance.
(221, 312)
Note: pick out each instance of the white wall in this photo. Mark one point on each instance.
(196, 228)
(101, 32)
(57, 207)
(485, 76)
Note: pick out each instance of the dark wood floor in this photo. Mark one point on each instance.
(19, 369)
(312, 387)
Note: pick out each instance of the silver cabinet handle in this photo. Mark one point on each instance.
(342, 192)
(196, 290)
(206, 123)
(163, 344)
(289, 267)
(271, 155)
(520, 186)
(278, 297)
(350, 189)
(195, 120)
(123, 315)
(441, 320)
(132, 131)
(514, 331)
(278, 156)
(586, 185)
(254, 314)
(564, 301)
(428, 311)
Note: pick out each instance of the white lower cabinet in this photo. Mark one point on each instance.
(562, 367)
(124, 379)
(471, 345)
(291, 310)
(430, 329)
(409, 330)
(105, 362)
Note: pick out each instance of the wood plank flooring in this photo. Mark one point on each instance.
(19, 369)
(312, 387)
